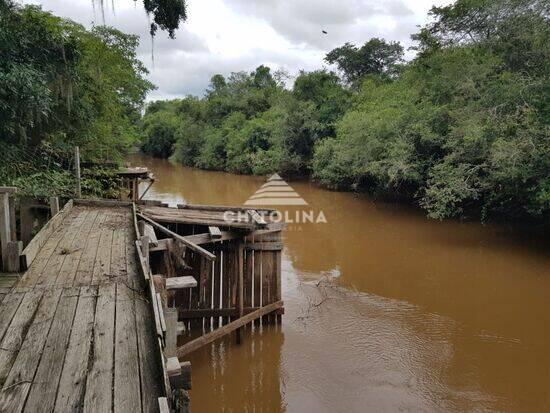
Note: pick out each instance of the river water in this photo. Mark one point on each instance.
(385, 310)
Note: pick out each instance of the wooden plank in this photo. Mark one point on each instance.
(257, 302)
(118, 255)
(214, 232)
(64, 249)
(228, 328)
(158, 302)
(217, 288)
(189, 244)
(8, 189)
(127, 394)
(219, 208)
(102, 264)
(171, 317)
(72, 384)
(264, 246)
(142, 249)
(176, 283)
(186, 314)
(44, 387)
(8, 309)
(240, 284)
(70, 265)
(149, 357)
(103, 203)
(18, 382)
(163, 405)
(15, 334)
(33, 247)
(85, 268)
(99, 381)
(206, 238)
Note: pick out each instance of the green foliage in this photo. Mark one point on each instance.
(61, 86)
(461, 130)
(375, 57)
(167, 14)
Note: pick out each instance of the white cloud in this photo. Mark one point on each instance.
(222, 36)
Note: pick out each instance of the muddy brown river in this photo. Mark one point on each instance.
(385, 311)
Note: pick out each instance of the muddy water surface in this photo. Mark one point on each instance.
(385, 311)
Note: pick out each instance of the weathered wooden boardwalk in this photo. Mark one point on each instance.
(76, 331)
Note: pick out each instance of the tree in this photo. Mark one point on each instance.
(65, 85)
(375, 57)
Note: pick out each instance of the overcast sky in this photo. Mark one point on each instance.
(223, 36)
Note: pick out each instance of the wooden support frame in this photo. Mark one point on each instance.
(191, 245)
(197, 343)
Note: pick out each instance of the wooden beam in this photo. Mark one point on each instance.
(147, 230)
(143, 263)
(219, 208)
(5, 227)
(191, 245)
(215, 232)
(163, 405)
(186, 314)
(171, 317)
(163, 245)
(257, 218)
(206, 238)
(103, 202)
(30, 251)
(264, 246)
(197, 343)
(240, 285)
(77, 171)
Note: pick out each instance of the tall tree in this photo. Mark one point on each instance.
(375, 57)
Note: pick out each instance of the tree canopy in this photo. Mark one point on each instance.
(461, 130)
(62, 85)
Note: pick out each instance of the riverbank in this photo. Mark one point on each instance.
(382, 308)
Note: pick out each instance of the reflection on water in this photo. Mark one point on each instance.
(385, 310)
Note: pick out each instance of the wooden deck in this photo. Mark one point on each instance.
(76, 331)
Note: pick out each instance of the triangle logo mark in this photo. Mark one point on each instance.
(275, 192)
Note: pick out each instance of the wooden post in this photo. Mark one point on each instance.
(5, 227)
(13, 264)
(171, 318)
(240, 285)
(77, 171)
(26, 220)
(54, 205)
(13, 220)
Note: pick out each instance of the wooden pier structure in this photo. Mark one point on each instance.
(92, 324)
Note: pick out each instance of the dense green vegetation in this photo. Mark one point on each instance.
(461, 130)
(61, 86)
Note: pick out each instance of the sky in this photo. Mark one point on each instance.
(224, 36)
